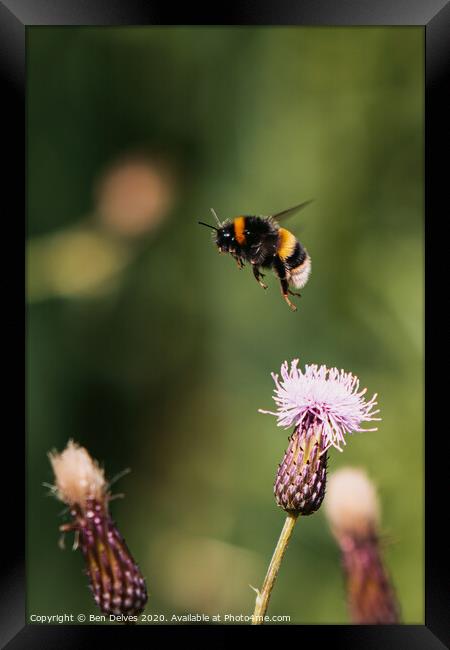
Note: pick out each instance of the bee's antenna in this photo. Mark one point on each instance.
(202, 223)
(216, 217)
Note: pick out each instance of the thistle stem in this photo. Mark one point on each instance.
(262, 599)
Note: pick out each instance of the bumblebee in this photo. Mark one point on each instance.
(261, 241)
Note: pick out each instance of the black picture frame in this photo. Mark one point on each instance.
(15, 17)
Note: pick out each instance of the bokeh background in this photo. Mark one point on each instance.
(155, 352)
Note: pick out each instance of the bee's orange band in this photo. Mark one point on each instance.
(239, 227)
(286, 243)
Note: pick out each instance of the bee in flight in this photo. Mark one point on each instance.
(264, 244)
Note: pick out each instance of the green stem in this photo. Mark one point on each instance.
(262, 599)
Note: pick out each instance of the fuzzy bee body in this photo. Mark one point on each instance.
(261, 242)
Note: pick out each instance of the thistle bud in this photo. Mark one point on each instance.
(116, 581)
(300, 482)
(352, 509)
(324, 405)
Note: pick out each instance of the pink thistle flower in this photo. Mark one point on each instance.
(324, 405)
(328, 396)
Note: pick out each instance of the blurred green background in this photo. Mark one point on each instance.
(155, 352)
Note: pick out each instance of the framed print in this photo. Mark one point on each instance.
(224, 442)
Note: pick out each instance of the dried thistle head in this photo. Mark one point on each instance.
(78, 477)
(353, 512)
(116, 581)
(352, 505)
(324, 406)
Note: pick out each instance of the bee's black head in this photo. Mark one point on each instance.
(225, 238)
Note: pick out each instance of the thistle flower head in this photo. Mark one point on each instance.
(327, 396)
(78, 478)
(323, 405)
(352, 506)
(353, 513)
(116, 581)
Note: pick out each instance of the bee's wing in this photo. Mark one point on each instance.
(285, 214)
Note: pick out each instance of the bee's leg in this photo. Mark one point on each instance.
(238, 261)
(285, 291)
(258, 276)
(280, 270)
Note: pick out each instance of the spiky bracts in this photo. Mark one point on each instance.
(371, 599)
(116, 581)
(300, 482)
